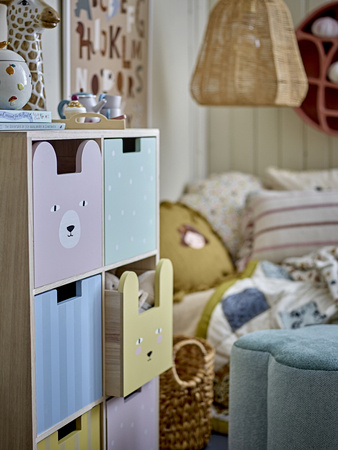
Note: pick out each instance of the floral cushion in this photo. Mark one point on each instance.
(221, 199)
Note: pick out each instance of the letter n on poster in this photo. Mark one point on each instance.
(106, 50)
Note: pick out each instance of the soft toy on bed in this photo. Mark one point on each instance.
(200, 259)
(146, 285)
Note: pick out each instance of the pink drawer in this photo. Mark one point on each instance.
(132, 422)
(67, 213)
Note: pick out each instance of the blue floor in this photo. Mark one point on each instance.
(217, 442)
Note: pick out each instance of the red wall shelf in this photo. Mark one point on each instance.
(320, 106)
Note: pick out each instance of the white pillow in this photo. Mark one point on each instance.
(291, 180)
(284, 224)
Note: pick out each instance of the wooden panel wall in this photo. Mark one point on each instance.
(251, 139)
(182, 123)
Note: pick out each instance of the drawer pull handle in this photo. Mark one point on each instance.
(132, 395)
(69, 291)
(131, 145)
(69, 428)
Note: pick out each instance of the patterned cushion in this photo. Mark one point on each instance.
(221, 199)
(294, 223)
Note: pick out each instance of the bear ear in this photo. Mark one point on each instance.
(88, 157)
(44, 160)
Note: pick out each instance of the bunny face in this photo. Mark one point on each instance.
(148, 348)
(147, 337)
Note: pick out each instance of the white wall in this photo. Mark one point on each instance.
(177, 32)
(52, 60)
(250, 139)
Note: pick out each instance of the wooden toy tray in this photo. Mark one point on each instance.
(77, 122)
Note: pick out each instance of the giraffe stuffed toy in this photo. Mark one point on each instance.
(26, 20)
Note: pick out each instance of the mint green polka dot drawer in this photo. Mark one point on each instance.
(130, 198)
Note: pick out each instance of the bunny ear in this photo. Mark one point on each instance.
(164, 284)
(88, 157)
(129, 287)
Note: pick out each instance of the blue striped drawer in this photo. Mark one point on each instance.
(68, 345)
(130, 197)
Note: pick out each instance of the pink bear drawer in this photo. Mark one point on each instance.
(67, 213)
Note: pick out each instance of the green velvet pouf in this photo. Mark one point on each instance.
(284, 390)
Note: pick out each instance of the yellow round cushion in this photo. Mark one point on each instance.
(199, 257)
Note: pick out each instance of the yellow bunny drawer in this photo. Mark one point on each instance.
(82, 433)
(138, 347)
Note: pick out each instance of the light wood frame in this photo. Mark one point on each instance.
(17, 333)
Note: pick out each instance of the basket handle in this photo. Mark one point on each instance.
(196, 378)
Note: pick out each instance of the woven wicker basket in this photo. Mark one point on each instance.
(186, 395)
(249, 56)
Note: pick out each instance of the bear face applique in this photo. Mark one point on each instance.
(67, 213)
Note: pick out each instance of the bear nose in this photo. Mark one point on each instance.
(149, 354)
(70, 228)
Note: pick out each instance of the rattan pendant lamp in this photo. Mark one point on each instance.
(249, 56)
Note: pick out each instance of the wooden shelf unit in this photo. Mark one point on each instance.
(18, 413)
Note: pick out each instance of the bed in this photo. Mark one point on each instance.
(250, 254)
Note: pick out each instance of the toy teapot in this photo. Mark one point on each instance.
(87, 100)
(15, 79)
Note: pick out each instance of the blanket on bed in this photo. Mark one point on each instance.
(300, 292)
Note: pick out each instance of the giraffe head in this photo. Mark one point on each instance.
(33, 15)
(26, 20)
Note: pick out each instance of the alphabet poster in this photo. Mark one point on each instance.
(106, 51)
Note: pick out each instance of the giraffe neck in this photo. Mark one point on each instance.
(27, 43)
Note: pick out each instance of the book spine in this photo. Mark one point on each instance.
(31, 126)
(25, 116)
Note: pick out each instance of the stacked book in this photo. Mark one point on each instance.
(18, 119)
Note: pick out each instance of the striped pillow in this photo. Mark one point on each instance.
(292, 223)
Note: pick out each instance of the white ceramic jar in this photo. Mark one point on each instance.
(333, 72)
(15, 80)
(325, 27)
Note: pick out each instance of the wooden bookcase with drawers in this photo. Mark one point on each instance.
(75, 358)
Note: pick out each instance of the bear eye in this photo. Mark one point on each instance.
(55, 208)
(83, 203)
(24, 3)
(158, 331)
(138, 342)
